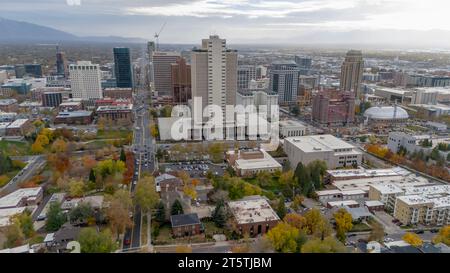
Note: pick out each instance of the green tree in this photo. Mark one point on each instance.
(219, 214)
(92, 176)
(26, 223)
(160, 215)
(281, 208)
(123, 156)
(92, 241)
(76, 188)
(176, 208)
(81, 214)
(14, 235)
(55, 217)
(303, 179)
(118, 211)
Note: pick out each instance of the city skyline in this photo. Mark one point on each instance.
(245, 21)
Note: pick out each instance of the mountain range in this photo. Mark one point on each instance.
(18, 31)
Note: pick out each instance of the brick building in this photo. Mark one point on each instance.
(116, 114)
(74, 117)
(253, 215)
(333, 107)
(20, 127)
(186, 225)
(118, 93)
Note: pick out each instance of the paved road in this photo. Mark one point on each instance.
(35, 164)
(144, 148)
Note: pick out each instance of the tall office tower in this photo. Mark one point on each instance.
(151, 48)
(284, 81)
(181, 81)
(86, 80)
(351, 72)
(261, 72)
(162, 62)
(214, 73)
(122, 67)
(245, 74)
(62, 68)
(304, 64)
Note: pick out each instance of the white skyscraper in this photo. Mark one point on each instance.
(214, 72)
(85, 80)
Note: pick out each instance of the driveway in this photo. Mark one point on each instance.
(386, 220)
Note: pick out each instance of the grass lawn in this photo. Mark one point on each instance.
(165, 237)
(416, 128)
(15, 148)
(360, 227)
(111, 134)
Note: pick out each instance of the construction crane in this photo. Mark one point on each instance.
(157, 36)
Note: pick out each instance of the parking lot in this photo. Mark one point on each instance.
(195, 168)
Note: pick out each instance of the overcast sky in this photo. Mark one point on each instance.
(239, 21)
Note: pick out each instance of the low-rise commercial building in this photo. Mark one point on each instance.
(250, 162)
(291, 128)
(74, 117)
(116, 114)
(253, 215)
(335, 152)
(118, 93)
(20, 127)
(22, 198)
(9, 105)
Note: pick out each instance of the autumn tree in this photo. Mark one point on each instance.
(82, 214)
(92, 241)
(283, 237)
(183, 249)
(146, 196)
(327, 245)
(295, 220)
(14, 235)
(343, 223)
(443, 236)
(377, 232)
(316, 224)
(297, 202)
(76, 188)
(189, 190)
(118, 211)
(412, 239)
(287, 181)
(59, 146)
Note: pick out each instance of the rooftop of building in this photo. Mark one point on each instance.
(265, 161)
(373, 203)
(74, 114)
(361, 172)
(319, 143)
(184, 220)
(13, 199)
(291, 123)
(17, 123)
(7, 101)
(252, 209)
(7, 213)
(386, 112)
(118, 107)
(343, 203)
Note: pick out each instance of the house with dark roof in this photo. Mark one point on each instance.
(186, 225)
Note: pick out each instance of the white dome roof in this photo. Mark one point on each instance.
(386, 112)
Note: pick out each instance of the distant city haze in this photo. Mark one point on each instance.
(396, 22)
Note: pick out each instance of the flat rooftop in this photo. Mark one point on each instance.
(255, 209)
(266, 162)
(291, 123)
(319, 143)
(365, 183)
(74, 114)
(17, 123)
(5, 214)
(361, 172)
(13, 199)
(343, 203)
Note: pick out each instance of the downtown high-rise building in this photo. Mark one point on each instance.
(304, 64)
(284, 81)
(62, 68)
(352, 72)
(162, 62)
(181, 81)
(85, 79)
(214, 73)
(245, 74)
(122, 67)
